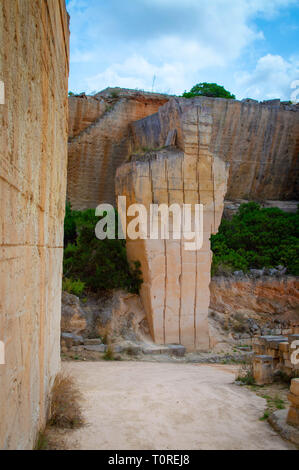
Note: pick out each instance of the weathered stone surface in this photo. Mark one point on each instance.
(93, 341)
(263, 369)
(175, 291)
(278, 421)
(73, 318)
(84, 111)
(71, 339)
(172, 349)
(295, 387)
(33, 141)
(260, 141)
(293, 397)
(118, 317)
(96, 347)
(97, 149)
(264, 299)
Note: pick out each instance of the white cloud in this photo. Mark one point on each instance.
(271, 78)
(180, 43)
(137, 72)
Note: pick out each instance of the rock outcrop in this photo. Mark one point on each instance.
(266, 299)
(260, 141)
(34, 58)
(242, 307)
(118, 317)
(175, 290)
(99, 141)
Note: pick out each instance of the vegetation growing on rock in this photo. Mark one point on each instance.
(257, 238)
(100, 264)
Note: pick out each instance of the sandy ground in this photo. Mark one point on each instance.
(138, 405)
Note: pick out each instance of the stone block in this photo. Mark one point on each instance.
(101, 348)
(295, 387)
(284, 347)
(92, 341)
(294, 400)
(293, 416)
(263, 369)
(71, 339)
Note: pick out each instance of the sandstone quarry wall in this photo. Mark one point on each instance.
(34, 58)
(175, 289)
(99, 141)
(260, 141)
(84, 111)
(267, 298)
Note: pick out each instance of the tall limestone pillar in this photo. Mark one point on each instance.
(175, 290)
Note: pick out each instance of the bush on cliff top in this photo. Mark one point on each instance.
(257, 238)
(100, 264)
(209, 89)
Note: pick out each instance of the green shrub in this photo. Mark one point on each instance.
(209, 89)
(257, 238)
(101, 265)
(70, 233)
(72, 286)
(265, 415)
(114, 94)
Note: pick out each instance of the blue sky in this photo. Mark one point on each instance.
(248, 46)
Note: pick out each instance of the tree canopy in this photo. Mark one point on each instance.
(209, 89)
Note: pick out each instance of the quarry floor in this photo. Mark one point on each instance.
(143, 405)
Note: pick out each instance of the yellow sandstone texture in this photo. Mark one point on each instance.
(34, 56)
(175, 291)
(260, 141)
(293, 413)
(99, 141)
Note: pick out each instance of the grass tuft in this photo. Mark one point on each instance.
(65, 409)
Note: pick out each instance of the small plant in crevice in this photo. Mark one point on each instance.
(42, 442)
(265, 415)
(109, 354)
(245, 374)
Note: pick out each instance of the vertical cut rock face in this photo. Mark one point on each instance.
(175, 291)
(33, 140)
(99, 141)
(260, 141)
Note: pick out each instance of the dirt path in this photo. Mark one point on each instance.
(138, 405)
